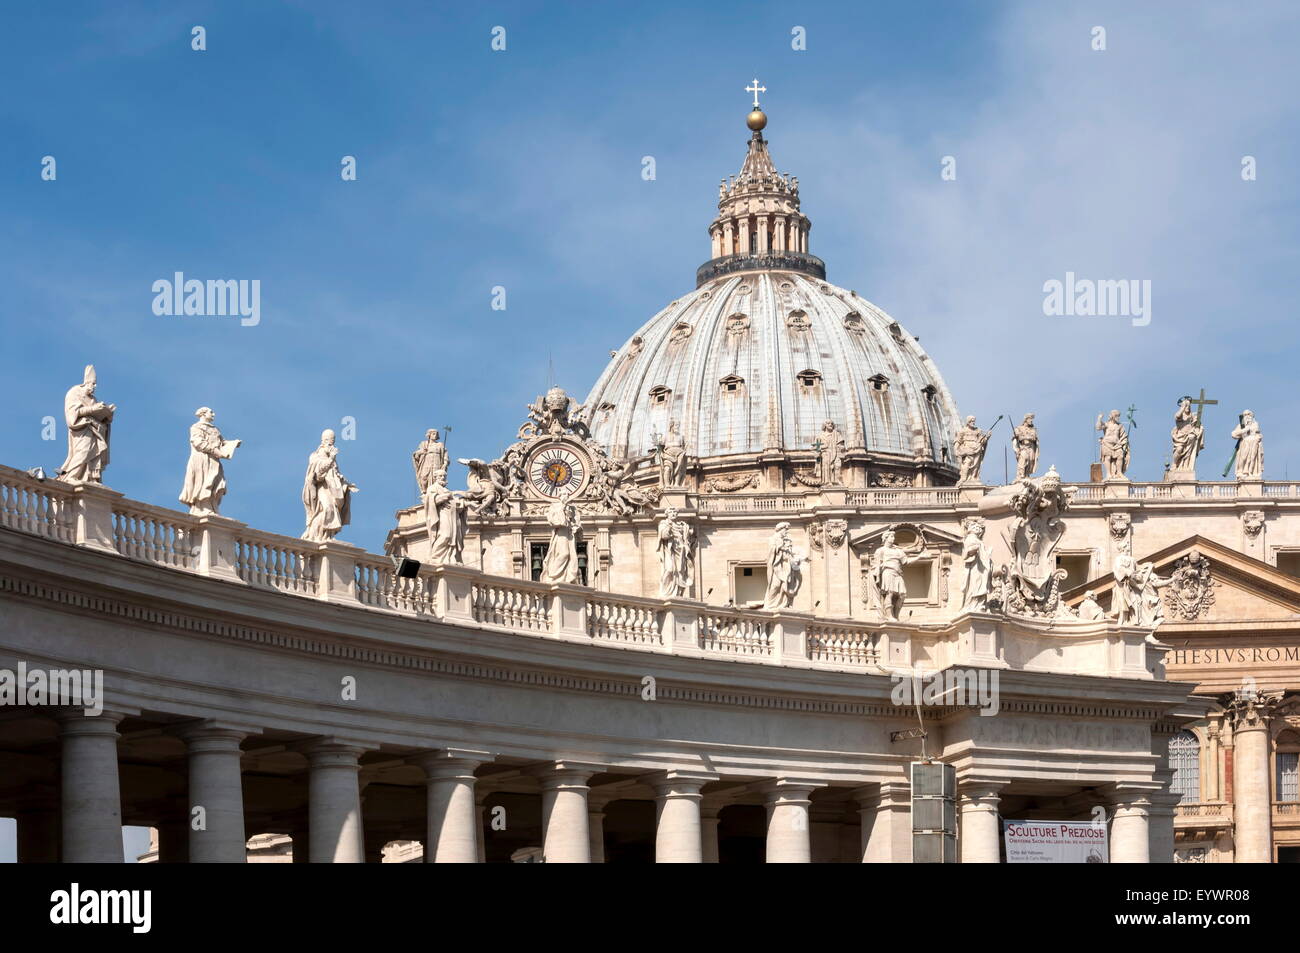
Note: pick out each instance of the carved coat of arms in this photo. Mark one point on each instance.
(1191, 591)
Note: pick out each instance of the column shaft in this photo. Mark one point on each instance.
(92, 798)
(453, 816)
(677, 826)
(334, 805)
(216, 832)
(981, 835)
(1252, 808)
(788, 838)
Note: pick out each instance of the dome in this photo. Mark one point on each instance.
(764, 351)
(759, 360)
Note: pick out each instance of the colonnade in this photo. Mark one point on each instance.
(686, 824)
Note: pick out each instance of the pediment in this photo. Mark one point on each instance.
(935, 537)
(1241, 588)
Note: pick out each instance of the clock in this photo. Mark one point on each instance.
(556, 471)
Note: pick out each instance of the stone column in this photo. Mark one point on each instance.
(566, 834)
(1161, 827)
(91, 796)
(980, 839)
(678, 835)
(335, 833)
(709, 820)
(1130, 834)
(788, 838)
(452, 812)
(886, 814)
(1252, 807)
(596, 826)
(216, 786)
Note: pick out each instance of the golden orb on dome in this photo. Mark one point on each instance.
(756, 120)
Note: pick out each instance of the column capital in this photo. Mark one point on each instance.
(337, 752)
(565, 773)
(981, 791)
(213, 734)
(788, 790)
(74, 721)
(678, 783)
(451, 762)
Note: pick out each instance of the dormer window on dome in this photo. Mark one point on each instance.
(731, 384)
(659, 394)
(879, 382)
(809, 379)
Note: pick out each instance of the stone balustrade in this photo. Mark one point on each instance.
(100, 518)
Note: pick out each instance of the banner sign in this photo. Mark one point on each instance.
(1055, 842)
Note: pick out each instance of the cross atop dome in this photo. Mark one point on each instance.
(759, 223)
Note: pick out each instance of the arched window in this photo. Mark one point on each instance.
(659, 394)
(1185, 760)
(880, 382)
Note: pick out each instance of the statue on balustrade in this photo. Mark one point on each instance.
(969, 445)
(89, 423)
(326, 494)
(886, 588)
(670, 456)
(676, 547)
(830, 450)
(1188, 436)
(1114, 446)
(429, 459)
(205, 477)
(977, 567)
(783, 569)
(1250, 448)
(1024, 443)
(444, 521)
(561, 563)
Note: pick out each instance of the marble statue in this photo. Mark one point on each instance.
(1250, 448)
(326, 494)
(1124, 599)
(886, 587)
(977, 567)
(1188, 436)
(783, 569)
(1024, 443)
(830, 451)
(205, 477)
(1033, 581)
(1090, 609)
(1114, 446)
(561, 563)
(670, 454)
(444, 521)
(969, 445)
(1146, 585)
(89, 423)
(615, 486)
(429, 459)
(487, 486)
(676, 548)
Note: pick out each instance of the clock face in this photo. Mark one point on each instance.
(556, 471)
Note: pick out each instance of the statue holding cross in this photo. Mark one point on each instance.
(1188, 436)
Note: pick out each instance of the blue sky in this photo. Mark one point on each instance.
(522, 169)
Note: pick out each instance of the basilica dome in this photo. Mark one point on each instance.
(764, 351)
